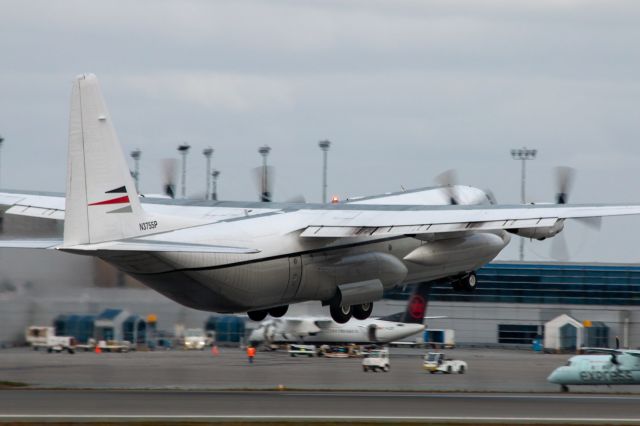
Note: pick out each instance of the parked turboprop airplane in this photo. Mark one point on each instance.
(311, 329)
(617, 367)
(261, 257)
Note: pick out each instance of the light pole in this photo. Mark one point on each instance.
(214, 194)
(135, 154)
(265, 196)
(183, 149)
(523, 154)
(207, 153)
(324, 146)
(1, 140)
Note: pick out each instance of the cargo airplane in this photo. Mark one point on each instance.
(261, 257)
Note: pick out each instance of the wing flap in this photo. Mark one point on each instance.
(159, 246)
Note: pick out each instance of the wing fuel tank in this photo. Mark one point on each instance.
(441, 252)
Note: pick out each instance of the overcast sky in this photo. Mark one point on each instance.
(403, 89)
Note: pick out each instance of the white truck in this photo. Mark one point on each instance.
(195, 338)
(376, 360)
(45, 337)
(435, 362)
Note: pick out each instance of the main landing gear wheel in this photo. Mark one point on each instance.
(362, 311)
(257, 315)
(279, 311)
(341, 313)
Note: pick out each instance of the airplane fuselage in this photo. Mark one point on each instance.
(290, 269)
(369, 331)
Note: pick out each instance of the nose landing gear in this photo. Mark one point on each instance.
(467, 283)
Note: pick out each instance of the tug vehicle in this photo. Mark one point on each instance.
(435, 362)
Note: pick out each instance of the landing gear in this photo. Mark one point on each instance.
(341, 313)
(257, 315)
(362, 311)
(279, 311)
(564, 388)
(467, 283)
(470, 282)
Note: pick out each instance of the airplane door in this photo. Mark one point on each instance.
(372, 333)
(295, 274)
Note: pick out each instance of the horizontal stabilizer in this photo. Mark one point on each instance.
(159, 246)
(31, 244)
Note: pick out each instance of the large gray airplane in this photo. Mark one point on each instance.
(261, 257)
(615, 367)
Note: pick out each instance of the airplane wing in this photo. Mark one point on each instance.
(632, 352)
(388, 220)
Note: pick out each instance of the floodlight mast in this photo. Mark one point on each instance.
(208, 152)
(265, 195)
(324, 146)
(214, 175)
(523, 154)
(183, 149)
(135, 154)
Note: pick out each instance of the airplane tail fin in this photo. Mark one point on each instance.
(416, 306)
(101, 201)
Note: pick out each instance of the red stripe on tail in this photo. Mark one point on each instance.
(119, 200)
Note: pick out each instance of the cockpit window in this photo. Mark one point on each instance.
(568, 363)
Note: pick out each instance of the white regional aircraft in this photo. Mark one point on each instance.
(261, 257)
(616, 367)
(311, 329)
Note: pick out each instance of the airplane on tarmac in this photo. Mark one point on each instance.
(616, 367)
(311, 329)
(260, 257)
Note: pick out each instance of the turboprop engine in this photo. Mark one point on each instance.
(540, 233)
(457, 250)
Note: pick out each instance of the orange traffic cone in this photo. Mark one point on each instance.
(98, 350)
(214, 350)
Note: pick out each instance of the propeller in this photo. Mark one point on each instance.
(264, 177)
(447, 180)
(169, 167)
(564, 183)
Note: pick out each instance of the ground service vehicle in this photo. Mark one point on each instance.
(195, 338)
(436, 362)
(44, 337)
(306, 350)
(376, 360)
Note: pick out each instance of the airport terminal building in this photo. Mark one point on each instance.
(514, 301)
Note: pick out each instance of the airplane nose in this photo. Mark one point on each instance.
(553, 377)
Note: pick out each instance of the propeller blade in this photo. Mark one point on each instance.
(264, 177)
(447, 180)
(595, 223)
(564, 182)
(169, 167)
(491, 196)
(559, 249)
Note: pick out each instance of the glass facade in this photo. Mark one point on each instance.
(517, 333)
(550, 283)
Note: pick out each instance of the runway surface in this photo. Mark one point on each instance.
(488, 371)
(343, 406)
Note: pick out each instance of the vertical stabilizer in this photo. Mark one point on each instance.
(101, 203)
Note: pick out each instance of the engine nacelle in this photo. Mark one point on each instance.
(540, 233)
